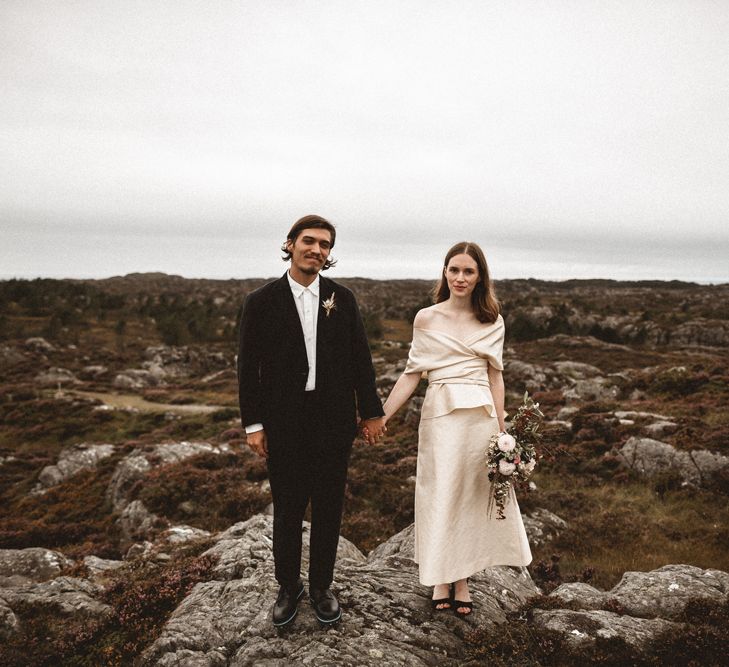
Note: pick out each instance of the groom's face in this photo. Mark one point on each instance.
(310, 250)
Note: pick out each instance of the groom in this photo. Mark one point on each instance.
(304, 372)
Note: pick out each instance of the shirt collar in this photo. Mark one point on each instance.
(298, 289)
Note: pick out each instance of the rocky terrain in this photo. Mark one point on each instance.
(135, 524)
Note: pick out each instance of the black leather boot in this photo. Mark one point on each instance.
(285, 607)
(325, 605)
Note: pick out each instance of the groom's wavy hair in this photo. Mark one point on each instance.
(486, 306)
(309, 222)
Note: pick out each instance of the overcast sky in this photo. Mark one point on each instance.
(568, 138)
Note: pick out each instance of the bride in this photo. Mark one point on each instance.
(458, 343)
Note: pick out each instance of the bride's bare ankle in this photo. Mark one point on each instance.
(462, 591)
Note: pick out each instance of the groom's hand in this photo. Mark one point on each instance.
(258, 443)
(373, 429)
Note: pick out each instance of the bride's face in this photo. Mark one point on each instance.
(462, 275)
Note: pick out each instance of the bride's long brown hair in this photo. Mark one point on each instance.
(486, 306)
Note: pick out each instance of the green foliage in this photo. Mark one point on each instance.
(678, 381)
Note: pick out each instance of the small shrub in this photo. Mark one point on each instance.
(677, 382)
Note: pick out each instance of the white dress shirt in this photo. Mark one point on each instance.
(307, 305)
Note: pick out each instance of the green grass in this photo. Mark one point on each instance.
(617, 527)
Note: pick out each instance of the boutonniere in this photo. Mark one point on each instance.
(328, 304)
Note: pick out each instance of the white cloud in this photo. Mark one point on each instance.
(546, 121)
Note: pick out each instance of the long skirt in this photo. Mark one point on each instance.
(454, 536)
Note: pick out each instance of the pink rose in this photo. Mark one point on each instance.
(506, 443)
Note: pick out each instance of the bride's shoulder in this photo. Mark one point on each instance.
(426, 316)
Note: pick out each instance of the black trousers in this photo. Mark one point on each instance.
(302, 470)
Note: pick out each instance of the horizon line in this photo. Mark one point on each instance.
(703, 282)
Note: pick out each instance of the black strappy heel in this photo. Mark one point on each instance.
(459, 604)
(449, 601)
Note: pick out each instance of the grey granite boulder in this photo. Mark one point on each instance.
(584, 627)
(531, 377)
(701, 331)
(135, 378)
(93, 372)
(174, 363)
(582, 596)
(541, 526)
(23, 566)
(99, 567)
(134, 466)
(182, 533)
(666, 591)
(54, 376)
(649, 603)
(650, 457)
(592, 389)
(67, 596)
(660, 428)
(38, 344)
(137, 523)
(387, 616)
(576, 370)
(72, 460)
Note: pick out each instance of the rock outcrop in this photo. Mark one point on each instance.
(650, 457)
(136, 378)
(135, 520)
(24, 566)
(387, 616)
(578, 381)
(68, 596)
(170, 362)
(541, 526)
(55, 376)
(38, 344)
(649, 604)
(387, 620)
(72, 460)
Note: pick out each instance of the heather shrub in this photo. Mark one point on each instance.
(678, 381)
(520, 643)
(211, 491)
(703, 640)
(142, 595)
(73, 516)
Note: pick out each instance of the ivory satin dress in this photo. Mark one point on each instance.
(454, 537)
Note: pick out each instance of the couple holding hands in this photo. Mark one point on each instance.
(305, 374)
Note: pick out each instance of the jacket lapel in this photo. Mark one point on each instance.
(324, 322)
(289, 314)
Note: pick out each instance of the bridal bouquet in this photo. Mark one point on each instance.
(511, 456)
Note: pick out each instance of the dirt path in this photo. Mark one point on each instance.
(126, 401)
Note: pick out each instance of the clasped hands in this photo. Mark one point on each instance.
(373, 429)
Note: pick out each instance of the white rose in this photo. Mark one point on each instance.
(506, 442)
(506, 468)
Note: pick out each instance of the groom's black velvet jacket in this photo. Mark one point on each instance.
(273, 367)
